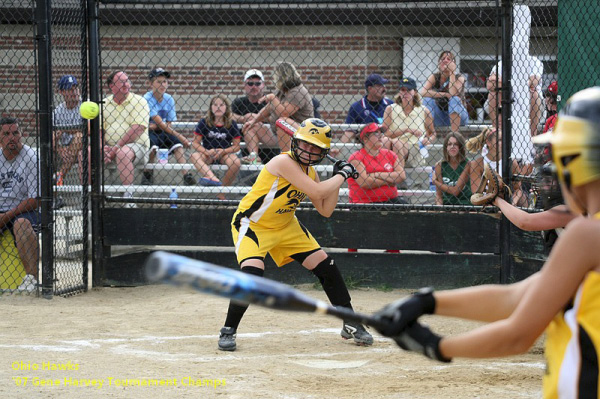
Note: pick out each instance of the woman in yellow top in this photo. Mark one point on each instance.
(563, 298)
(265, 222)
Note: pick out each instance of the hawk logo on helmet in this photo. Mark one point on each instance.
(313, 131)
(318, 122)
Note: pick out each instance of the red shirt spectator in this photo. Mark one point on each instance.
(380, 170)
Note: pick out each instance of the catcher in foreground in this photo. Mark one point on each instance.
(563, 297)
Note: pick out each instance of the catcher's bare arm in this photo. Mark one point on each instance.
(553, 218)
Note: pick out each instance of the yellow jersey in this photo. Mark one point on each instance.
(272, 201)
(573, 345)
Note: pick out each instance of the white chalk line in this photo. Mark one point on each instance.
(123, 346)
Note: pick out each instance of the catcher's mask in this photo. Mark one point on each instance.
(316, 132)
(575, 141)
(546, 186)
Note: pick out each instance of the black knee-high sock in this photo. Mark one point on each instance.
(236, 310)
(333, 283)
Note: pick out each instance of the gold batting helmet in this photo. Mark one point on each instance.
(316, 132)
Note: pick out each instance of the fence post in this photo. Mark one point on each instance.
(43, 40)
(505, 260)
(97, 162)
(85, 94)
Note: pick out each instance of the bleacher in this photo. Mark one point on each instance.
(169, 175)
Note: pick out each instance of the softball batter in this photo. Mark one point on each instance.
(265, 222)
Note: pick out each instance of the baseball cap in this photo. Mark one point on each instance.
(66, 82)
(375, 79)
(368, 129)
(158, 72)
(409, 83)
(553, 88)
(253, 72)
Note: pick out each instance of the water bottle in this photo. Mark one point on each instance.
(431, 184)
(173, 195)
(423, 149)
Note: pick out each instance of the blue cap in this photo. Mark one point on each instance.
(158, 72)
(409, 83)
(375, 79)
(67, 82)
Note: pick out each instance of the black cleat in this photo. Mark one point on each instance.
(357, 332)
(227, 339)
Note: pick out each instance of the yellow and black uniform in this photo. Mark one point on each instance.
(265, 221)
(573, 345)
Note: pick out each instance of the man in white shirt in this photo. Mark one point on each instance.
(19, 200)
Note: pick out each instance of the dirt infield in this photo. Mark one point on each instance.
(160, 342)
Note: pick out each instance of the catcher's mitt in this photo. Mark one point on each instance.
(490, 187)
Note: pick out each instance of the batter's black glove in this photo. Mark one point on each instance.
(346, 169)
(399, 314)
(418, 338)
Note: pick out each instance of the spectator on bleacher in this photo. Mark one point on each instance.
(409, 122)
(489, 144)
(444, 94)
(19, 198)
(494, 101)
(67, 124)
(160, 131)
(316, 106)
(451, 176)
(217, 140)
(368, 109)
(125, 118)
(291, 102)
(247, 107)
(380, 170)
(551, 100)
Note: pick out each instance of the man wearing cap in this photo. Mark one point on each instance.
(551, 99)
(246, 107)
(67, 124)
(368, 109)
(160, 131)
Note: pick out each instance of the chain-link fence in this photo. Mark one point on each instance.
(69, 77)
(191, 91)
(26, 41)
(420, 70)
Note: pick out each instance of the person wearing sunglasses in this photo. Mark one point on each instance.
(245, 108)
(291, 101)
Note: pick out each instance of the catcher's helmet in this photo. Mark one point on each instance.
(316, 132)
(575, 140)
